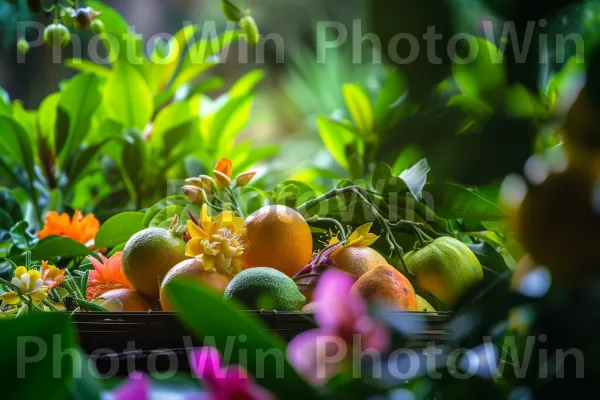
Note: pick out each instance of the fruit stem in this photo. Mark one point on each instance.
(234, 201)
(364, 196)
(333, 221)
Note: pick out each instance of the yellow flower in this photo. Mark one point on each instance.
(361, 237)
(30, 284)
(219, 241)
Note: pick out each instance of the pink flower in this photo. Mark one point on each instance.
(343, 321)
(136, 387)
(229, 383)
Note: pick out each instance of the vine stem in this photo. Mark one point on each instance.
(234, 201)
(333, 221)
(364, 196)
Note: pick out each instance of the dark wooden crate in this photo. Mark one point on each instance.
(161, 341)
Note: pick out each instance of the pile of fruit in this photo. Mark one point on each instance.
(271, 261)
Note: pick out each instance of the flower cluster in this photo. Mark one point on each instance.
(29, 284)
(222, 383)
(107, 275)
(79, 228)
(220, 241)
(198, 189)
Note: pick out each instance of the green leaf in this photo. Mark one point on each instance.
(37, 337)
(134, 158)
(416, 177)
(453, 201)
(485, 74)
(293, 193)
(47, 117)
(177, 46)
(166, 214)
(224, 320)
(180, 200)
(86, 386)
(24, 147)
(82, 158)
(360, 107)
(246, 83)
(490, 258)
(80, 100)
(336, 137)
(86, 66)
(384, 182)
(409, 156)
(521, 102)
(21, 237)
(119, 229)
(171, 117)
(53, 247)
(497, 244)
(229, 121)
(128, 98)
(9, 204)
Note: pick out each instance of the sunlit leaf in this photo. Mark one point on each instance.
(119, 229)
(336, 137)
(485, 73)
(246, 83)
(128, 98)
(360, 107)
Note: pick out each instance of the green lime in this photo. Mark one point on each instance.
(149, 255)
(265, 288)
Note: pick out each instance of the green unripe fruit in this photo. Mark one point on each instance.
(35, 5)
(250, 30)
(23, 46)
(66, 15)
(57, 35)
(97, 26)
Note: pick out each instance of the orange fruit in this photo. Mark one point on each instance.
(131, 300)
(193, 268)
(359, 260)
(279, 238)
(558, 224)
(384, 284)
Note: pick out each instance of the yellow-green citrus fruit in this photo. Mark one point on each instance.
(193, 268)
(265, 288)
(277, 237)
(424, 305)
(148, 256)
(445, 267)
(558, 224)
(358, 261)
(57, 35)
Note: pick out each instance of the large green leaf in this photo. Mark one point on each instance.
(224, 320)
(80, 100)
(29, 349)
(134, 158)
(360, 107)
(229, 121)
(119, 229)
(246, 83)
(47, 116)
(383, 180)
(9, 204)
(453, 201)
(485, 73)
(24, 146)
(177, 46)
(173, 116)
(336, 136)
(53, 247)
(128, 98)
(180, 200)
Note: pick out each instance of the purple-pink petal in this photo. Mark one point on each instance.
(206, 364)
(338, 308)
(317, 355)
(136, 387)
